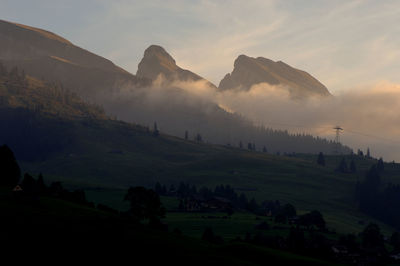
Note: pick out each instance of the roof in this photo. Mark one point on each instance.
(17, 188)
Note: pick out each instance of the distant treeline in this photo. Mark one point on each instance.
(378, 200)
(224, 198)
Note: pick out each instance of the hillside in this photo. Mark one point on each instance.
(43, 54)
(249, 71)
(54, 132)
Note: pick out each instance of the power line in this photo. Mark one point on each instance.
(330, 128)
(372, 136)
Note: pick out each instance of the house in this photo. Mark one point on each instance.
(17, 189)
(219, 203)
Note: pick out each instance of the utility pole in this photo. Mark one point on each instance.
(337, 138)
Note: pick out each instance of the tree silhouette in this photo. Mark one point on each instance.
(321, 159)
(342, 168)
(155, 130)
(380, 166)
(353, 168)
(372, 237)
(198, 138)
(144, 204)
(9, 169)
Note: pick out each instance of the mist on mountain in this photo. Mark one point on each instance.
(258, 111)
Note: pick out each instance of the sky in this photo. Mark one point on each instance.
(344, 44)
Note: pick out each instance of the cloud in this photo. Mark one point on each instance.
(369, 114)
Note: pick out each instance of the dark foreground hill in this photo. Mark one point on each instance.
(62, 229)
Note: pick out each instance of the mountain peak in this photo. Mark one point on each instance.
(159, 52)
(157, 60)
(249, 71)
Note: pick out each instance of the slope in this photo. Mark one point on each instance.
(69, 140)
(44, 54)
(250, 71)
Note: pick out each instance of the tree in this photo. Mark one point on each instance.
(372, 178)
(289, 210)
(313, 218)
(321, 159)
(41, 186)
(158, 188)
(28, 184)
(198, 138)
(3, 70)
(240, 144)
(372, 237)
(368, 191)
(342, 168)
(155, 131)
(10, 172)
(395, 240)
(368, 153)
(249, 146)
(252, 206)
(380, 166)
(145, 204)
(353, 168)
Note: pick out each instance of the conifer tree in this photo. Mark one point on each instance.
(321, 159)
(155, 131)
(353, 168)
(9, 169)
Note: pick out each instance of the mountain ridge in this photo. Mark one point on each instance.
(60, 61)
(156, 60)
(249, 71)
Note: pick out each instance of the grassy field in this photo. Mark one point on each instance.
(106, 157)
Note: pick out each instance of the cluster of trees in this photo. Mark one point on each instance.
(145, 205)
(344, 168)
(282, 213)
(33, 188)
(183, 191)
(368, 246)
(42, 97)
(377, 200)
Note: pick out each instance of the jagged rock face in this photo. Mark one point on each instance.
(249, 71)
(45, 55)
(157, 61)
